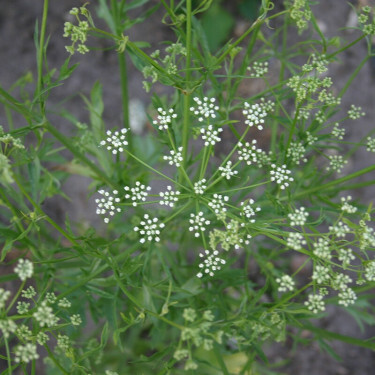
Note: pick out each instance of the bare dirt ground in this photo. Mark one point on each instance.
(17, 21)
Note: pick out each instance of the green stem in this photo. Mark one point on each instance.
(155, 170)
(8, 356)
(333, 183)
(257, 23)
(69, 145)
(186, 122)
(55, 361)
(15, 297)
(40, 53)
(45, 216)
(125, 95)
(356, 71)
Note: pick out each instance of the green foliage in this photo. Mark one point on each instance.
(194, 269)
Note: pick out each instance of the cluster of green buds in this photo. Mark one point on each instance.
(78, 33)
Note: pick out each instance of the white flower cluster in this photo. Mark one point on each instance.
(45, 316)
(205, 109)
(200, 187)
(24, 269)
(315, 303)
(175, 157)
(7, 326)
(149, 229)
(218, 205)
(370, 147)
(116, 141)
(345, 256)
(254, 114)
(198, 223)
(340, 229)
(296, 152)
(298, 217)
(227, 171)
(310, 139)
(4, 295)
(169, 197)
(210, 135)
(25, 353)
(248, 152)
(211, 264)
(295, 240)
(336, 163)
(164, 118)
(285, 283)
(338, 132)
(346, 206)
(106, 205)
(370, 271)
(341, 281)
(248, 210)
(322, 250)
(321, 274)
(138, 194)
(347, 297)
(355, 113)
(281, 175)
(258, 69)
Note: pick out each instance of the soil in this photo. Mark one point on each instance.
(17, 22)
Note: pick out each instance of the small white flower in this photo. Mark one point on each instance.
(210, 135)
(254, 114)
(347, 297)
(315, 303)
(296, 152)
(281, 175)
(295, 240)
(76, 319)
(198, 223)
(298, 217)
(7, 326)
(322, 250)
(355, 113)
(336, 163)
(345, 256)
(248, 152)
(45, 316)
(338, 132)
(149, 229)
(346, 207)
(175, 157)
(205, 109)
(218, 205)
(248, 210)
(200, 187)
(24, 269)
(370, 147)
(138, 194)
(164, 118)
(116, 141)
(321, 274)
(340, 229)
(258, 69)
(227, 171)
(211, 264)
(169, 197)
(106, 205)
(285, 283)
(370, 271)
(25, 353)
(4, 295)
